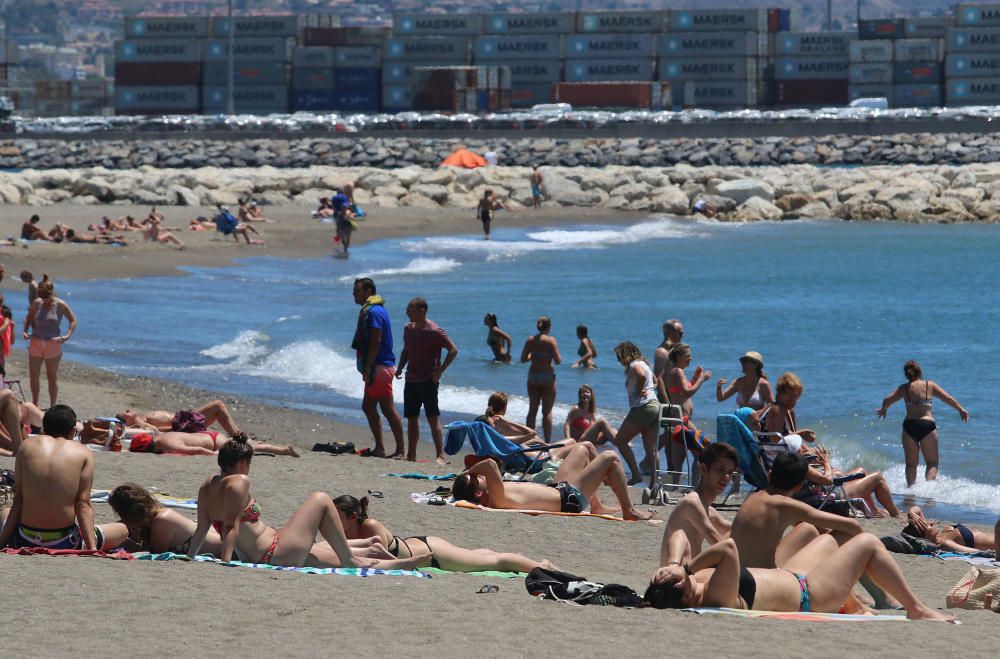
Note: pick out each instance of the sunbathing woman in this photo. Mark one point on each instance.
(577, 480)
(441, 553)
(919, 428)
(957, 538)
(214, 411)
(157, 529)
(819, 578)
(752, 388)
(582, 422)
(225, 504)
(498, 340)
(207, 442)
(157, 233)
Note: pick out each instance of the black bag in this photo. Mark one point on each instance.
(565, 587)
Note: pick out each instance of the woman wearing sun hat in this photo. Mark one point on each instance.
(752, 389)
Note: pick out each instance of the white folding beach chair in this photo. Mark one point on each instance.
(663, 481)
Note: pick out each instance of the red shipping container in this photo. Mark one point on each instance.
(143, 74)
(604, 94)
(810, 92)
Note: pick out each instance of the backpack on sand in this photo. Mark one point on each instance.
(571, 589)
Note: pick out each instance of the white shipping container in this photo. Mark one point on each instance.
(872, 50)
(870, 73)
(445, 50)
(918, 50)
(979, 15)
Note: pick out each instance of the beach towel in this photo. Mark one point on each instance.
(341, 571)
(982, 558)
(101, 496)
(801, 616)
(474, 506)
(118, 554)
(426, 477)
(479, 573)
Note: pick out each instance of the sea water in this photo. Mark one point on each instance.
(842, 305)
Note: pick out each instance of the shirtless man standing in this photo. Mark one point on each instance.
(53, 477)
(577, 481)
(694, 514)
(673, 332)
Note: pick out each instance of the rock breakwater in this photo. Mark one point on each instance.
(908, 193)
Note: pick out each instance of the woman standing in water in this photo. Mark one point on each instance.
(542, 351)
(498, 340)
(919, 429)
(587, 352)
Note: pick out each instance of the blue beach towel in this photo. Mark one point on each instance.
(426, 477)
(342, 571)
(486, 442)
(732, 431)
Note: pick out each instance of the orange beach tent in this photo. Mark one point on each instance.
(463, 158)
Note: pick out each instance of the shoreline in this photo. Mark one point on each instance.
(202, 604)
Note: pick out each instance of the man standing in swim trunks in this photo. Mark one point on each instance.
(53, 477)
(673, 332)
(342, 216)
(536, 186)
(376, 363)
(423, 342)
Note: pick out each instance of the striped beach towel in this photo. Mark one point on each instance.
(341, 571)
(797, 615)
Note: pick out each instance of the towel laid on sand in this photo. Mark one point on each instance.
(982, 558)
(480, 573)
(342, 571)
(795, 615)
(426, 477)
(118, 555)
(474, 506)
(101, 496)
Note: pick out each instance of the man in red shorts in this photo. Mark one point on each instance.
(376, 363)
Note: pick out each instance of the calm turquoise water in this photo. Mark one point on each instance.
(843, 305)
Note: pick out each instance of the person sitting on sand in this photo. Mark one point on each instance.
(694, 513)
(131, 224)
(582, 422)
(201, 223)
(157, 233)
(325, 209)
(577, 480)
(31, 231)
(228, 224)
(157, 529)
(211, 413)
(108, 225)
(206, 442)
(225, 504)
(496, 408)
(57, 233)
(820, 578)
(53, 479)
(956, 537)
(498, 340)
(255, 214)
(14, 417)
(438, 552)
(779, 417)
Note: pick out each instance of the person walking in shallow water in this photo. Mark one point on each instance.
(376, 363)
(919, 428)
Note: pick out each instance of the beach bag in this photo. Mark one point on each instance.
(188, 421)
(978, 589)
(569, 588)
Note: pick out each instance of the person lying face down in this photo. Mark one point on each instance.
(198, 443)
(577, 480)
(817, 578)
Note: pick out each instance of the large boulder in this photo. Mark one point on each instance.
(414, 200)
(744, 189)
(183, 196)
(438, 193)
(669, 199)
(757, 208)
(565, 192)
(948, 209)
(816, 210)
(988, 210)
(794, 201)
(970, 197)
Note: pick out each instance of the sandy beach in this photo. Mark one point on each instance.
(101, 607)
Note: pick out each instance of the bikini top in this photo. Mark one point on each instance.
(927, 401)
(581, 423)
(250, 515)
(787, 427)
(755, 401)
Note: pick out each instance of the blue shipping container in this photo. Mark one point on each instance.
(518, 47)
(304, 100)
(357, 79)
(609, 45)
(396, 97)
(357, 101)
(917, 96)
(591, 70)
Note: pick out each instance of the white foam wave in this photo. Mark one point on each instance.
(245, 347)
(561, 239)
(418, 266)
(946, 489)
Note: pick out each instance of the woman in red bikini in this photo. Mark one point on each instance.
(582, 422)
(225, 504)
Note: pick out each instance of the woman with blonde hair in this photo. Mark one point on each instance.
(42, 325)
(644, 407)
(542, 351)
(919, 428)
(780, 415)
(582, 422)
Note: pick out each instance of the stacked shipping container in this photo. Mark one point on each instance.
(531, 46)
(972, 63)
(901, 60)
(423, 41)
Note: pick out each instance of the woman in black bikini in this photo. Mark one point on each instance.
(498, 340)
(957, 538)
(919, 429)
(437, 552)
(819, 577)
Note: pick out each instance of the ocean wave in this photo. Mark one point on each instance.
(418, 266)
(952, 490)
(598, 237)
(246, 346)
